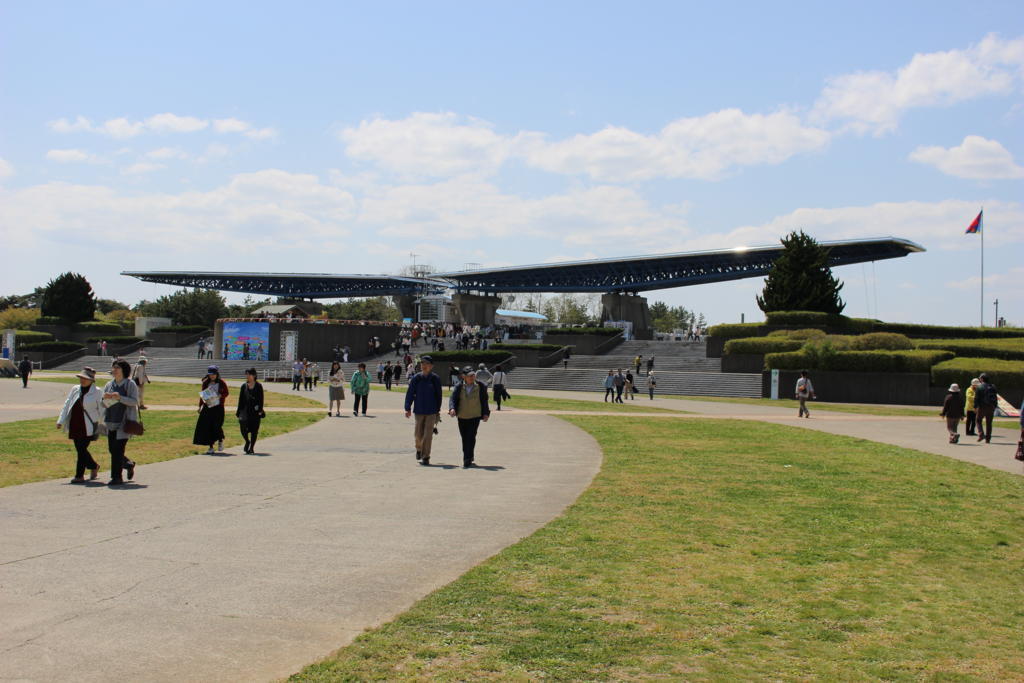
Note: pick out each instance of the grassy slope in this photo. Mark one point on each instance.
(34, 450)
(178, 394)
(733, 551)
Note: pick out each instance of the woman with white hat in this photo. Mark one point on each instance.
(953, 411)
(80, 419)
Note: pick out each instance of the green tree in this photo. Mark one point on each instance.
(801, 280)
(187, 307)
(105, 306)
(69, 296)
(372, 308)
(245, 309)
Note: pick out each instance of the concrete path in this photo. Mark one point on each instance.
(250, 567)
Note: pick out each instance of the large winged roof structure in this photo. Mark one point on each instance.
(615, 275)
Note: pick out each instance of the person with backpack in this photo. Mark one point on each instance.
(985, 398)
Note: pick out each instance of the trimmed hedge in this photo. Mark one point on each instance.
(1005, 374)
(181, 329)
(52, 346)
(805, 318)
(950, 332)
(97, 326)
(1005, 349)
(873, 341)
(525, 347)
(30, 336)
(51, 320)
(856, 361)
(737, 330)
(806, 333)
(841, 323)
(469, 356)
(116, 340)
(761, 345)
(599, 331)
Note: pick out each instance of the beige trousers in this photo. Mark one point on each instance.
(424, 433)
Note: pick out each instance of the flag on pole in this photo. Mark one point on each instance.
(975, 225)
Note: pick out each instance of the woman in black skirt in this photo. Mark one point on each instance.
(250, 410)
(210, 425)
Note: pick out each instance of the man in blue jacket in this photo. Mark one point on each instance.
(423, 398)
(469, 404)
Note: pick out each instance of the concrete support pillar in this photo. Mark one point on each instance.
(628, 307)
(406, 304)
(474, 309)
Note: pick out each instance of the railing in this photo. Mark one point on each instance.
(606, 346)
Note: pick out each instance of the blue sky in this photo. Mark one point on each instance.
(335, 137)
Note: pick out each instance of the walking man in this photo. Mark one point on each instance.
(297, 368)
(423, 399)
(565, 359)
(619, 380)
(24, 369)
(500, 379)
(650, 365)
(804, 391)
(651, 383)
(469, 404)
(985, 398)
(483, 376)
(202, 348)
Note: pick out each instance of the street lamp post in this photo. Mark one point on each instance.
(996, 303)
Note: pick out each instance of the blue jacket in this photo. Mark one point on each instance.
(423, 396)
(458, 394)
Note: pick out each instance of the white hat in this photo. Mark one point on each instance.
(954, 387)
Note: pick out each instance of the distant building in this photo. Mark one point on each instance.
(505, 317)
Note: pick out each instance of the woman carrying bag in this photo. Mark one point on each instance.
(121, 416)
(210, 425)
(250, 410)
(80, 419)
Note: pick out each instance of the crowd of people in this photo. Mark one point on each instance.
(618, 384)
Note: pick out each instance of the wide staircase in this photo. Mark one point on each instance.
(680, 367)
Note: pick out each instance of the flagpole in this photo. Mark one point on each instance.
(981, 228)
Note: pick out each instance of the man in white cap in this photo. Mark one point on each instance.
(424, 399)
(469, 404)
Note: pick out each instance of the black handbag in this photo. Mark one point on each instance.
(132, 427)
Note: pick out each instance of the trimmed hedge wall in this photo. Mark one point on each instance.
(1007, 375)
(52, 346)
(31, 336)
(841, 323)
(857, 361)
(738, 330)
(525, 347)
(181, 329)
(875, 341)
(1005, 349)
(599, 331)
(97, 326)
(762, 345)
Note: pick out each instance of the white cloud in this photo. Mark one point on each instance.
(71, 156)
(6, 169)
(706, 147)
(167, 153)
(122, 127)
(873, 101)
(425, 144)
(250, 213)
(976, 158)
(141, 168)
(1008, 281)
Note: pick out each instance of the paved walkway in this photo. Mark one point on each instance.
(248, 568)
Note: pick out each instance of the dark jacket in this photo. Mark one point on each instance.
(458, 394)
(953, 406)
(985, 395)
(423, 396)
(25, 368)
(250, 403)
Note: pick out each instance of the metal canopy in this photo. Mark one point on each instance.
(630, 274)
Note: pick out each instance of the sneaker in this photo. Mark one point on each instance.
(956, 438)
(220, 446)
(328, 413)
(468, 465)
(355, 414)
(425, 461)
(419, 455)
(209, 451)
(131, 469)
(77, 480)
(115, 482)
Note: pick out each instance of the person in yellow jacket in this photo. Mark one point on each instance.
(969, 406)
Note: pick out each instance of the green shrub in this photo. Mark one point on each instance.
(889, 341)
(599, 331)
(1005, 349)
(470, 356)
(97, 326)
(30, 336)
(806, 318)
(949, 332)
(806, 333)
(181, 329)
(51, 346)
(737, 330)
(122, 340)
(825, 357)
(527, 347)
(1007, 375)
(761, 345)
(51, 320)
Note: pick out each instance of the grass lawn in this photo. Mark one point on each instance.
(34, 450)
(555, 404)
(860, 408)
(178, 394)
(734, 551)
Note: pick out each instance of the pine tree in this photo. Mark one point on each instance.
(801, 280)
(69, 296)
